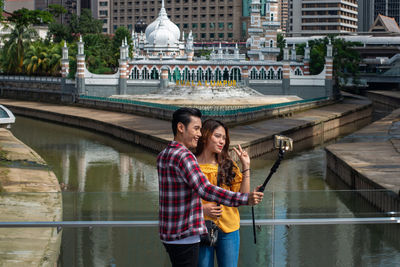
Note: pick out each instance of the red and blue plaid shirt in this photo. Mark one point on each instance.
(181, 185)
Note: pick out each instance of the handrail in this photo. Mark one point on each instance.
(314, 221)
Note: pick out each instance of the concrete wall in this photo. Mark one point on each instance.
(30, 193)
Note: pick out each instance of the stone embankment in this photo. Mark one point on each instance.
(29, 192)
(369, 159)
(319, 124)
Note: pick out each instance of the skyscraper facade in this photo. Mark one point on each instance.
(208, 20)
(389, 8)
(310, 17)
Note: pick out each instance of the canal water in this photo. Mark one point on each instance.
(107, 179)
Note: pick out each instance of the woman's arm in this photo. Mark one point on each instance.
(245, 160)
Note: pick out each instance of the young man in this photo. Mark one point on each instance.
(181, 185)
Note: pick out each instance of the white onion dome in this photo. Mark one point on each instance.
(162, 36)
(170, 26)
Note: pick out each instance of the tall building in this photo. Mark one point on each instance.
(12, 5)
(262, 31)
(310, 17)
(388, 8)
(365, 15)
(284, 14)
(207, 19)
(101, 10)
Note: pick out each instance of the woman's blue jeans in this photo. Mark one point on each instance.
(227, 251)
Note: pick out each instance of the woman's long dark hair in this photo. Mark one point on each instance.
(225, 163)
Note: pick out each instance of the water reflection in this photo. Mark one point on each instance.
(88, 163)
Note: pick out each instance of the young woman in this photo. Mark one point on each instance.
(214, 160)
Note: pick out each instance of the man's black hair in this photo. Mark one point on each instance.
(183, 115)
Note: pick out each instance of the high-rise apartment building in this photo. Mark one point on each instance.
(388, 8)
(365, 15)
(207, 19)
(310, 17)
(12, 5)
(284, 14)
(101, 10)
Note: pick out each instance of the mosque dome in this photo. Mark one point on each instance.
(162, 36)
(169, 25)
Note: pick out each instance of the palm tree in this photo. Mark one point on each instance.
(14, 47)
(42, 59)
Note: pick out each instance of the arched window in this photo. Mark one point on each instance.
(169, 75)
(154, 74)
(226, 75)
(209, 75)
(279, 75)
(298, 72)
(271, 43)
(177, 75)
(270, 74)
(134, 74)
(253, 74)
(263, 74)
(193, 75)
(145, 73)
(186, 74)
(235, 74)
(218, 75)
(200, 75)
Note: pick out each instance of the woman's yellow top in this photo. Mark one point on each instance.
(230, 219)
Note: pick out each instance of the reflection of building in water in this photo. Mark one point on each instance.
(65, 165)
(124, 171)
(134, 174)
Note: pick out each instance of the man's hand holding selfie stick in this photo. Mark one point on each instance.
(284, 144)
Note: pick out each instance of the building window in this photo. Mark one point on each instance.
(104, 29)
(221, 25)
(103, 12)
(230, 35)
(103, 3)
(203, 25)
(221, 35)
(212, 35)
(194, 25)
(185, 25)
(203, 35)
(230, 25)
(212, 25)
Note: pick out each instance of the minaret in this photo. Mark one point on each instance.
(307, 59)
(271, 24)
(329, 71)
(64, 61)
(189, 47)
(255, 31)
(80, 67)
(122, 68)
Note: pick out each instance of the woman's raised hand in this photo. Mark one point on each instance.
(243, 156)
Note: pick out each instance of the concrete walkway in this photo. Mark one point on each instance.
(29, 192)
(369, 159)
(155, 134)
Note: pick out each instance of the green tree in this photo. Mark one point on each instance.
(99, 55)
(85, 23)
(57, 10)
(281, 42)
(120, 34)
(22, 34)
(43, 59)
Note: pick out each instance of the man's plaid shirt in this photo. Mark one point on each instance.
(181, 184)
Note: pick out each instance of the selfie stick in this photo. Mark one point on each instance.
(285, 144)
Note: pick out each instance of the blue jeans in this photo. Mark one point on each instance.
(227, 251)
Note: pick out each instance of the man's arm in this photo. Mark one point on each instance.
(195, 178)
